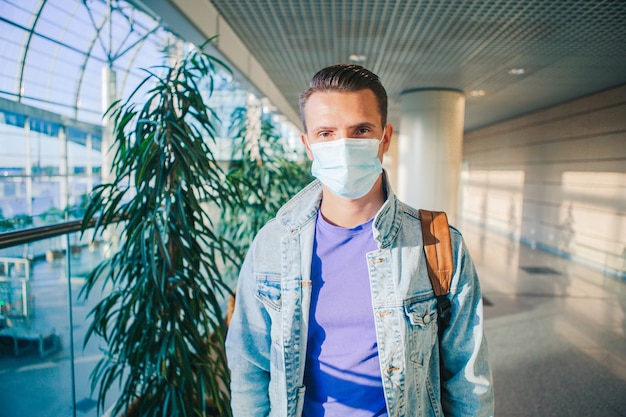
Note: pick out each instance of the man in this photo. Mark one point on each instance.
(335, 314)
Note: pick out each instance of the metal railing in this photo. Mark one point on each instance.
(34, 234)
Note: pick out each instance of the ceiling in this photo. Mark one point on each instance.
(509, 57)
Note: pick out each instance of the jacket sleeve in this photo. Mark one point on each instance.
(248, 348)
(466, 381)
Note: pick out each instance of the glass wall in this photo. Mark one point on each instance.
(44, 366)
(46, 171)
(56, 55)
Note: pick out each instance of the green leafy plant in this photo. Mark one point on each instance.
(161, 314)
(267, 175)
(20, 221)
(52, 215)
(77, 210)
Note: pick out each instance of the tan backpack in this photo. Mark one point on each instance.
(438, 250)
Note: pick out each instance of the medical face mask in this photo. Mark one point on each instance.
(348, 167)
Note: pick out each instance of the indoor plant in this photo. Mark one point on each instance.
(161, 316)
(266, 173)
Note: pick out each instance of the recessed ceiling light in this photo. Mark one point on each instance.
(517, 71)
(477, 93)
(357, 58)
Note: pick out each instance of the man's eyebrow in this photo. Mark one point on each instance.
(322, 128)
(362, 124)
(317, 129)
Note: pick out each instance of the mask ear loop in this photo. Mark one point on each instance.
(380, 141)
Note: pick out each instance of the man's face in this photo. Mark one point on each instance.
(331, 115)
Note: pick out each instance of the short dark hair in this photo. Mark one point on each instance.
(348, 78)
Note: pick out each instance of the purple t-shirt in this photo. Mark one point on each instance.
(342, 373)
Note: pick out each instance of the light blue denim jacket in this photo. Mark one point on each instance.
(266, 341)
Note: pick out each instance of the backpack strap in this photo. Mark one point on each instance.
(438, 250)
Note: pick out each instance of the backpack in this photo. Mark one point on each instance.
(438, 250)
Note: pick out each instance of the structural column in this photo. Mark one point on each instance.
(64, 180)
(109, 95)
(430, 147)
(89, 162)
(253, 125)
(29, 169)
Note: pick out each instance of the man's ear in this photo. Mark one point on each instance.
(387, 137)
(306, 145)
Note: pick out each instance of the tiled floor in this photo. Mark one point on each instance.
(556, 332)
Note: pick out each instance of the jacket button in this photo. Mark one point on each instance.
(391, 369)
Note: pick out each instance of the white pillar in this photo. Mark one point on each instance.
(109, 95)
(29, 169)
(89, 162)
(64, 180)
(430, 149)
(253, 125)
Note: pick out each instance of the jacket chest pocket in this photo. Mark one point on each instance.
(268, 290)
(421, 318)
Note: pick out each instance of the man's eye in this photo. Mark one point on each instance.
(363, 131)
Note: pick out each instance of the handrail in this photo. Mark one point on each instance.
(33, 234)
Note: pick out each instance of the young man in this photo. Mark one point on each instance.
(335, 314)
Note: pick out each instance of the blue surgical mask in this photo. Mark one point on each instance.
(348, 167)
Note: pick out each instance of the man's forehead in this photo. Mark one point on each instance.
(362, 105)
(353, 102)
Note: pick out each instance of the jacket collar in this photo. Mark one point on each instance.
(387, 221)
(303, 207)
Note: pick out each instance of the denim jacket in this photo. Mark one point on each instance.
(266, 341)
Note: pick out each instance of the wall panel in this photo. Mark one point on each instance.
(555, 179)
